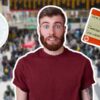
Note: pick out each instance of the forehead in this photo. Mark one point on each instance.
(53, 19)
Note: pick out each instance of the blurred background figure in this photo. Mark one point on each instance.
(9, 93)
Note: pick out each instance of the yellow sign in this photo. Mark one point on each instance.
(68, 4)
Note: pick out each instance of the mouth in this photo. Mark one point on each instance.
(52, 39)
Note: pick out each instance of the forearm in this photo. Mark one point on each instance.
(87, 94)
(20, 95)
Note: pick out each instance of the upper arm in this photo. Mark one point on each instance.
(87, 93)
(20, 81)
(20, 95)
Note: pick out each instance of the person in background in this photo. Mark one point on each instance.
(9, 93)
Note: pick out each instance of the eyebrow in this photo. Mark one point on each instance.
(59, 23)
(54, 23)
(44, 23)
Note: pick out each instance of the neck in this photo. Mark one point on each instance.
(54, 53)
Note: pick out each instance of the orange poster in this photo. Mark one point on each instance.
(91, 34)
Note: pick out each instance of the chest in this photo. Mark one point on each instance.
(53, 74)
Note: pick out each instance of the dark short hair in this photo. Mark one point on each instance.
(51, 11)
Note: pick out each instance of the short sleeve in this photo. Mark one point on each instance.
(87, 77)
(19, 77)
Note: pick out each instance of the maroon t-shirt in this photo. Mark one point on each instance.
(47, 77)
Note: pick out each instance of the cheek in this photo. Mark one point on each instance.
(59, 34)
(44, 33)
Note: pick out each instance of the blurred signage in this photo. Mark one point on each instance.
(67, 4)
(30, 23)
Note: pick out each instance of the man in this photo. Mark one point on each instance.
(53, 72)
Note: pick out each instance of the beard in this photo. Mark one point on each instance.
(53, 46)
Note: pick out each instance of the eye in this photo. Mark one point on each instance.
(45, 26)
(58, 26)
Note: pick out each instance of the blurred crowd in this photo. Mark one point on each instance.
(74, 42)
(21, 41)
(9, 93)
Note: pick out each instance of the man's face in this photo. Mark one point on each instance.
(52, 31)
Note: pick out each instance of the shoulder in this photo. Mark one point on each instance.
(29, 56)
(79, 56)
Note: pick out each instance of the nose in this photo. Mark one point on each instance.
(51, 31)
